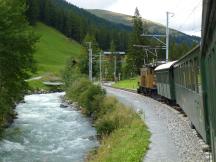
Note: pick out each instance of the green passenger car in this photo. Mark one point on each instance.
(208, 67)
(165, 81)
(187, 80)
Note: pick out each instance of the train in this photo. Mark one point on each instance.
(190, 82)
(147, 83)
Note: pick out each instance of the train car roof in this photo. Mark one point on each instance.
(165, 66)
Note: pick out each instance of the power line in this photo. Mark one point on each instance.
(189, 15)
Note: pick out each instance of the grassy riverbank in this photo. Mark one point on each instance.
(127, 84)
(123, 135)
(128, 143)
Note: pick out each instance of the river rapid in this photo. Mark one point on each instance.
(44, 132)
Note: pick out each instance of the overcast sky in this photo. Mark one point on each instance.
(187, 16)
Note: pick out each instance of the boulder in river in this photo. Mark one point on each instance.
(63, 105)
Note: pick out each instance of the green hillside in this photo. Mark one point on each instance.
(53, 50)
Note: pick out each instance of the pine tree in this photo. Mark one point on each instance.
(32, 11)
(16, 54)
(135, 55)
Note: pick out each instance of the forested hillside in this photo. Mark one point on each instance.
(76, 23)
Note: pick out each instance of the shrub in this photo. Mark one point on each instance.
(113, 116)
(76, 88)
(89, 99)
(105, 127)
(108, 105)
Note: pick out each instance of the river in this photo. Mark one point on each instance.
(44, 132)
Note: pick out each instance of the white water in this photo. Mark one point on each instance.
(44, 132)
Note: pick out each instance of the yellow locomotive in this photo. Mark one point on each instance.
(147, 83)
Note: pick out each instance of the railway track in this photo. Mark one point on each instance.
(175, 107)
(172, 137)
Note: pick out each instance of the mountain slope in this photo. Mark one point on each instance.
(150, 26)
(76, 23)
(112, 16)
(53, 49)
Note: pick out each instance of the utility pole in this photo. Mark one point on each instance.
(165, 45)
(90, 60)
(101, 67)
(167, 35)
(115, 67)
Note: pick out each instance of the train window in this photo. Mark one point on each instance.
(188, 75)
(199, 79)
(162, 78)
(180, 74)
(197, 75)
(158, 77)
(184, 74)
(167, 78)
(193, 76)
(176, 75)
(178, 78)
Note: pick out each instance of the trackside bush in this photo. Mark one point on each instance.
(76, 88)
(117, 117)
(88, 95)
(90, 99)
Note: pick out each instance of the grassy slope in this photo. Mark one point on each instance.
(128, 84)
(54, 49)
(52, 52)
